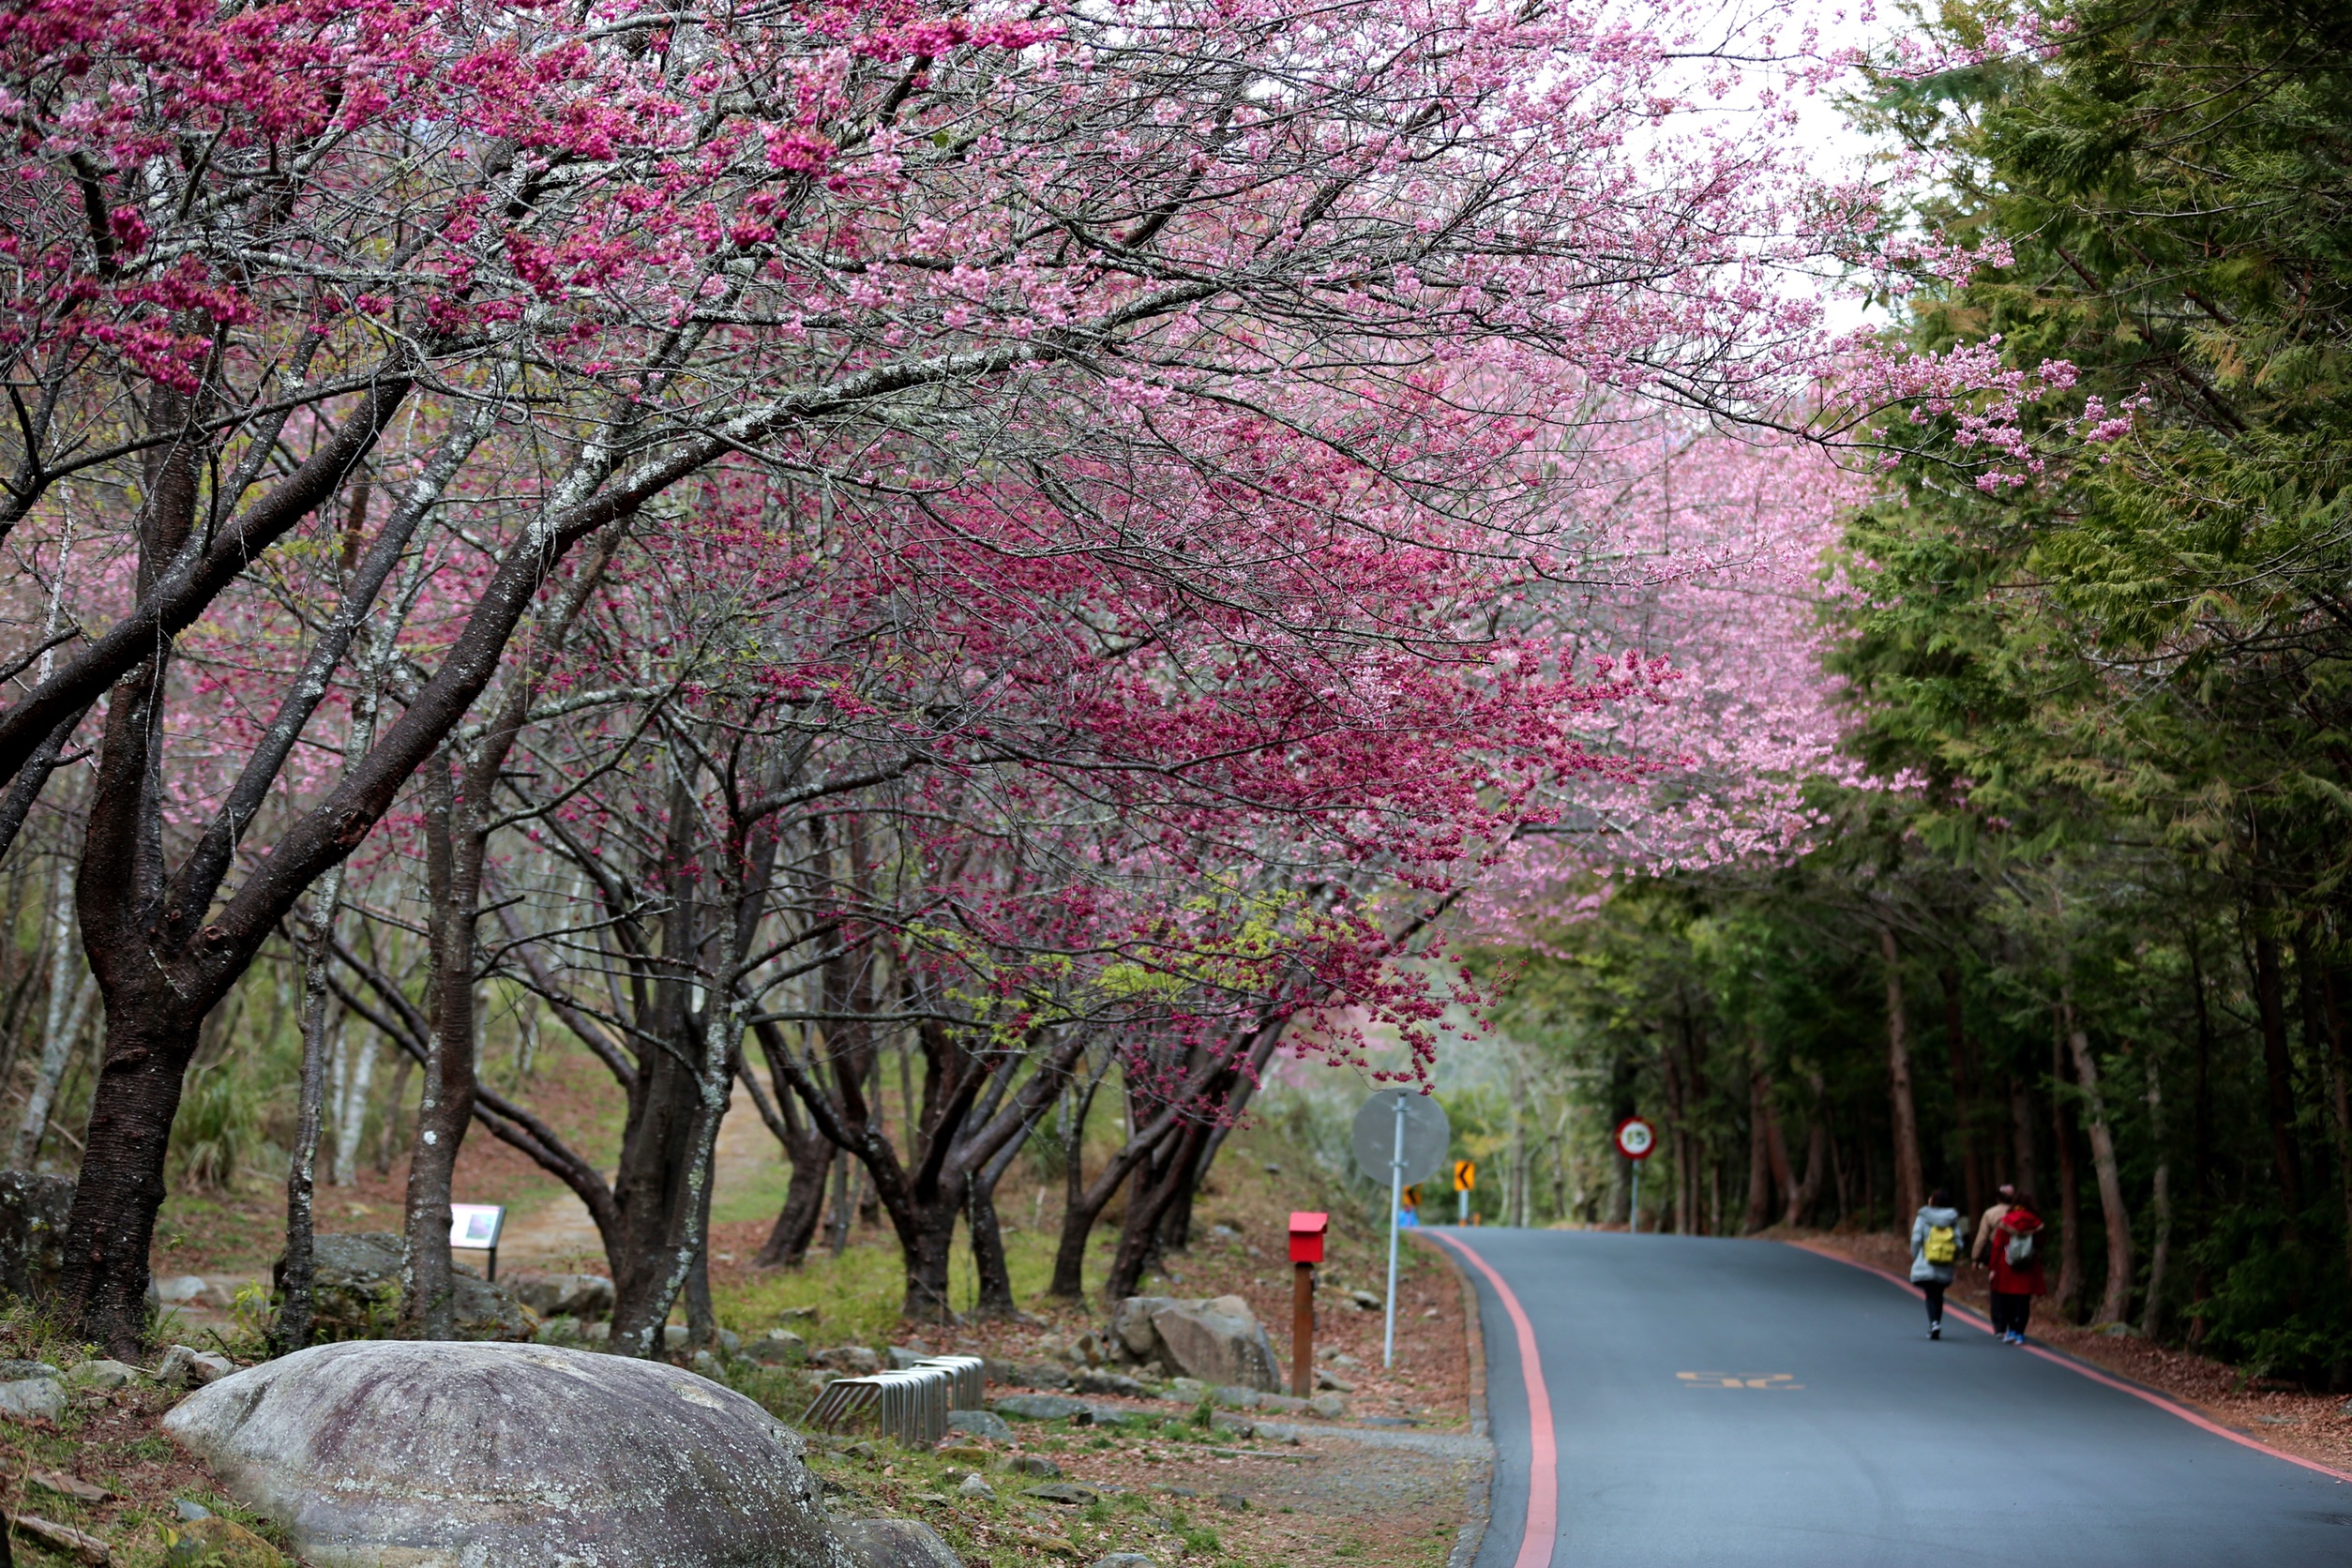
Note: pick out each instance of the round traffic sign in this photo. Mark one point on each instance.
(1427, 1135)
(1636, 1140)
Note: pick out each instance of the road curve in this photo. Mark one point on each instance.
(1733, 1403)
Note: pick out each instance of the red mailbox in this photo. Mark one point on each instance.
(1306, 1237)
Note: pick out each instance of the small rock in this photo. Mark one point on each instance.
(1185, 1390)
(1285, 1404)
(905, 1356)
(1429, 1312)
(594, 1334)
(68, 1486)
(1029, 1464)
(213, 1542)
(1123, 1560)
(1223, 1231)
(1112, 1415)
(33, 1397)
(1095, 1381)
(1045, 1541)
(1324, 1377)
(931, 1500)
(1068, 1493)
(1274, 1169)
(1329, 1406)
(796, 1315)
(710, 1366)
(179, 1289)
(1365, 1301)
(980, 1424)
(777, 1347)
(1234, 1502)
(856, 1360)
(730, 1342)
(187, 1512)
(1234, 1426)
(1234, 1397)
(976, 1486)
(896, 1544)
(1044, 1406)
(185, 1367)
(16, 1371)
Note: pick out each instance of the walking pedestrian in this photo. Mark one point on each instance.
(1990, 1222)
(2017, 1278)
(1936, 1236)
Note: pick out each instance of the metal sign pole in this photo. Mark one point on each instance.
(1395, 1200)
(1633, 1216)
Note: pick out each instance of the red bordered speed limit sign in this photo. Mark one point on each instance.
(1636, 1139)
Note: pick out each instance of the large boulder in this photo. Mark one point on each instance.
(584, 1296)
(358, 1292)
(1219, 1340)
(33, 1211)
(406, 1455)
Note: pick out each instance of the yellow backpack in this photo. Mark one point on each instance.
(1943, 1244)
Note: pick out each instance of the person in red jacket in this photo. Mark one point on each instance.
(2016, 1254)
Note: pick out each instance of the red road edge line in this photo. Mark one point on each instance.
(2163, 1402)
(1541, 1527)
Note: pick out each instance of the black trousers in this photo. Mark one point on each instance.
(2011, 1312)
(1935, 1300)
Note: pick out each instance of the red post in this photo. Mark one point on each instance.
(1307, 1250)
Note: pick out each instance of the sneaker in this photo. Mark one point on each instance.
(1935, 1331)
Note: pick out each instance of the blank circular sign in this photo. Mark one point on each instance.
(1427, 1135)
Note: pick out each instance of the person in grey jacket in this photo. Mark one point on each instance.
(1938, 1240)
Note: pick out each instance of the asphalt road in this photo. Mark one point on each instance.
(1729, 1404)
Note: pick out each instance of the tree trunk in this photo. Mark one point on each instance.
(2114, 1301)
(1760, 1182)
(354, 1075)
(1081, 1204)
(2339, 1093)
(1963, 1090)
(795, 1227)
(71, 989)
(1911, 1181)
(2160, 1258)
(395, 1112)
(2279, 1073)
(428, 1276)
(995, 1294)
(1139, 1237)
(1804, 1194)
(2069, 1287)
(2021, 1124)
(150, 1040)
(290, 1329)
